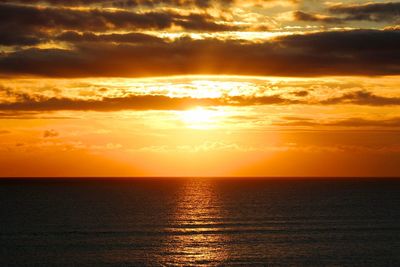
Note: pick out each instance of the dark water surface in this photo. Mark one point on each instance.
(164, 222)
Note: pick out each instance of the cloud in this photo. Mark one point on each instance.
(134, 102)
(31, 115)
(20, 38)
(355, 52)
(341, 13)
(202, 22)
(389, 11)
(302, 93)
(353, 43)
(25, 103)
(33, 18)
(359, 122)
(204, 147)
(56, 40)
(134, 37)
(363, 98)
(304, 16)
(50, 133)
(126, 3)
(351, 122)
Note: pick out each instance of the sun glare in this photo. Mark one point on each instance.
(200, 118)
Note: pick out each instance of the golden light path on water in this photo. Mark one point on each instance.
(198, 240)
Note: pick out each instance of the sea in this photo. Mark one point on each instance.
(200, 222)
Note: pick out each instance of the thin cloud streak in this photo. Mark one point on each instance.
(25, 102)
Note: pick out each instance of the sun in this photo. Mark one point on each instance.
(199, 118)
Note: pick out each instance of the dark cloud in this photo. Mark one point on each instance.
(256, 100)
(389, 11)
(351, 122)
(94, 49)
(202, 22)
(363, 98)
(125, 3)
(31, 18)
(375, 43)
(357, 52)
(133, 102)
(50, 133)
(359, 122)
(300, 93)
(76, 37)
(30, 115)
(20, 38)
(32, 103)
(304, 16)
(340, 13)
(69, 2)
(147, 102)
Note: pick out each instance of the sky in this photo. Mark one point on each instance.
(289, 88)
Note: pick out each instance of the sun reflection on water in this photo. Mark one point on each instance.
(196, 240)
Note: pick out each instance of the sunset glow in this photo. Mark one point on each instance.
(199, 133)
(199, 88)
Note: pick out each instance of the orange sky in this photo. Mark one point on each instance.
(199, 88)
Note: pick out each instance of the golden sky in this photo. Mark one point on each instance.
(199, 88)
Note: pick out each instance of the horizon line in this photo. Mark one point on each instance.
(196, 177)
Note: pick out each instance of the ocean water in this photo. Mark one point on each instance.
(194, 222)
